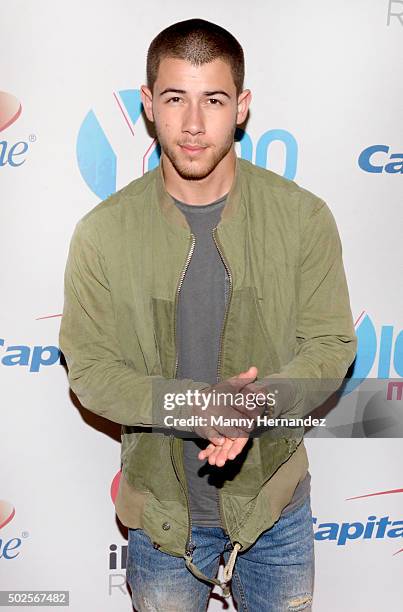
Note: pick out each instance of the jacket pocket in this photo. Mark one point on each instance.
(279, 489)
(148, 465)
(163, 319)
(247, 340)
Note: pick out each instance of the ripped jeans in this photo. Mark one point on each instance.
(276, 574)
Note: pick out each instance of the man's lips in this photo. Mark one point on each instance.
(192, 148)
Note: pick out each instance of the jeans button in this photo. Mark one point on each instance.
(166, 526)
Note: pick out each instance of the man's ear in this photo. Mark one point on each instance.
(147, 100)
(244, 99)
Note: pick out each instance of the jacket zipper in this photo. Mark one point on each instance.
(227, 307)
(189, 547)
(223, 525)
(193, 239)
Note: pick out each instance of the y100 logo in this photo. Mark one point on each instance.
(107, 159)
(10, 110)
(32, 357)
(376, 159)
(385, 344)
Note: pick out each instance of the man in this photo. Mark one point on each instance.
(208, 274)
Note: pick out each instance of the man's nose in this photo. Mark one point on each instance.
(193, 120)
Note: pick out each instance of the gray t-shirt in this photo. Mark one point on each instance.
(200, 314)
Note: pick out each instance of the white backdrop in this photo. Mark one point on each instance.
(326, 76)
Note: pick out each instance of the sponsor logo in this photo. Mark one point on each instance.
(117, 557)
(117, 561)
(108, 160)
(377, 159)
(33, 358)
(9, 547)
(14, 154)
(380, 348)
(372, 528)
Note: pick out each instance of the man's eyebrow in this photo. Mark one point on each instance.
(205, 93)
(218, 91)
(172, 90)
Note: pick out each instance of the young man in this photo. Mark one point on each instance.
(208, 274)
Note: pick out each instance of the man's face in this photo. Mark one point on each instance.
(195, 110)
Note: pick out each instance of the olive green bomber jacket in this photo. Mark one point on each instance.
(288, 291)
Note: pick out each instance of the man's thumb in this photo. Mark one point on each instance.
(251, 373)
(246, 377)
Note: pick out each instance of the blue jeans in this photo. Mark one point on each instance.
(275, 575)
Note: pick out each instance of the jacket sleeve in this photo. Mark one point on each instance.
(325, 336)
(97, 371)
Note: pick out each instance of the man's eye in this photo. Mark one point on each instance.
(215, 101)
(174, 99)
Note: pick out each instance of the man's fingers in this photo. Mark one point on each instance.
(218, 455)
(237, 447)
(207, 452)
(211, 448)
(230, 451)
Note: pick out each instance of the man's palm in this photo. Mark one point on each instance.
(220, 449)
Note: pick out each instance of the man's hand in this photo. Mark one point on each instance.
(220, 450)
(219, 453)
(227, 409)
(229, 448)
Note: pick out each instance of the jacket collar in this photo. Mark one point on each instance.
(232, 212)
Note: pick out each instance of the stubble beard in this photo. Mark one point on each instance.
(194, 170)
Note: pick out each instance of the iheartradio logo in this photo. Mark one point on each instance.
(7, 512)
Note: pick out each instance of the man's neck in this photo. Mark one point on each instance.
(209, 189)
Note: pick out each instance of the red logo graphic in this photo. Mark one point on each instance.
(115, 486)
(7, 512)
(10, 110)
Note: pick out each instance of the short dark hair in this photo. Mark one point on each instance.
(199, 42)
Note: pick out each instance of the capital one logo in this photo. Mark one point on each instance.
(11, 153)
(111, 135)
(380, 348)
(371, 528)
(377, 159)
(33, 358)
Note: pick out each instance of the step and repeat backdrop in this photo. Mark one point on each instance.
(326, 112)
